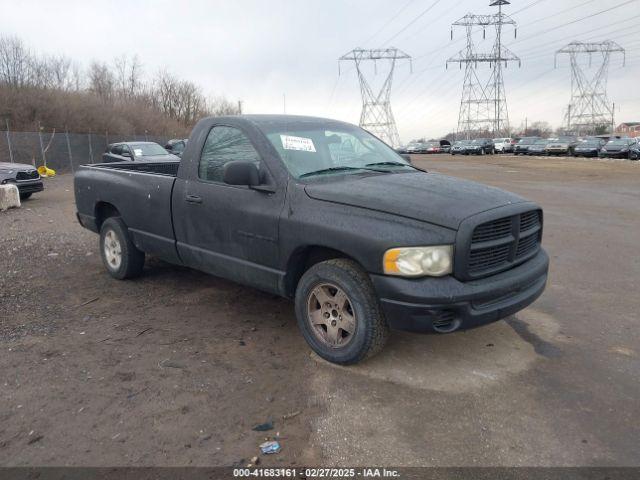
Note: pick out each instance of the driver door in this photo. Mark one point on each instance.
(228, 230)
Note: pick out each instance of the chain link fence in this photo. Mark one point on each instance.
(66, 151)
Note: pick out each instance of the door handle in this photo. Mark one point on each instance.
(193, 199)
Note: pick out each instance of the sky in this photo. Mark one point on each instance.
(282, 55)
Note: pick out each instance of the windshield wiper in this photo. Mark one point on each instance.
(337, 169)
(396, 163)
(399, 164)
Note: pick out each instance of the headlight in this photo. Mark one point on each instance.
(434, 261)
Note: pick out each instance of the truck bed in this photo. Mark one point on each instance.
(141, 192)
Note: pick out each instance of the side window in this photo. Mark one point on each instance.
(116, 150)
(224, 144)
(125, 149)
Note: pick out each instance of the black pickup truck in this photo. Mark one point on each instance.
(322, 212)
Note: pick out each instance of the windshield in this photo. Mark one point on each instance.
(542, 141)
(618, 141)
(178, 147)
(527, 141)
(478, 141)
(315, 150)
(589, 143)
(147, 149)
(461, 142)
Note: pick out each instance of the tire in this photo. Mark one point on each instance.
(355, 299)
(124, 260)
(25, 196)
(482, 152)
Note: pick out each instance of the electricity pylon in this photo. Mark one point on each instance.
(589, 108)
(376, 116)
(483, 107)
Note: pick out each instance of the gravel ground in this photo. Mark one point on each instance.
(176, 367)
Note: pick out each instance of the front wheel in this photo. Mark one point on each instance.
(338, 312)
(24, 196)
(119, 255)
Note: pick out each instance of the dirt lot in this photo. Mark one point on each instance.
(176, 367)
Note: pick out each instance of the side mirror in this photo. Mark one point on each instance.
(241, 172)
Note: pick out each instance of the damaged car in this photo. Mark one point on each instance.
(23, 176)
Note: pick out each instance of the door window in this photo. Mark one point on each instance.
(224, 144)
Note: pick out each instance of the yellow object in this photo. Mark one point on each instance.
(46, 172)
(389, 261)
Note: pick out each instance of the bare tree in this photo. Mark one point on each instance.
(101, 81)
(15, 62)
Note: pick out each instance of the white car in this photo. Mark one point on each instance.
(503, 145)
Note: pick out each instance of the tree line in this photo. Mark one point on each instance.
(54, 91)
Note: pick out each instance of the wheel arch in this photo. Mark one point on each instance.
(302, 259)
(104, 210)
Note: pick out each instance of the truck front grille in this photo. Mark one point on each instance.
(503, 243)
(28, 175)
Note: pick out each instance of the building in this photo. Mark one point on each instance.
(629, 129)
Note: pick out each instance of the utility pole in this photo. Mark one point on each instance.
(589, 107)
(613, 118)
(376, 115)
(483, 107)
(239, 107)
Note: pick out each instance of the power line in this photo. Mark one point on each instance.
(537, 34)
(600, 34)
(527, 7)
(425, 11)
(404, 7)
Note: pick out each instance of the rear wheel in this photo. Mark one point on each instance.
(338, 312)
(119, 255)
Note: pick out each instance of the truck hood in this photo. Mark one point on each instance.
(16, 167)
(428, 197)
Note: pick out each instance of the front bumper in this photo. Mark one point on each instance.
(623, 154)
(586, 153)
(30, 186)
(446, 304)
(557, 151)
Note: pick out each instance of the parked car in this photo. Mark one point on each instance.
(23, 176)
(588, 147)
(634, 151)
(432, 147)
(618, 148)
(503, 145)
(137, 152)
(458, 147)
(445, 146)
(176, 146)
(480, 146)
(250, 199)
(538, 147)
(564, 145)
(522, 147)
(416, 147)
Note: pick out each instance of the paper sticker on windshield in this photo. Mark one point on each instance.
(297, 143)
(137, 152)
